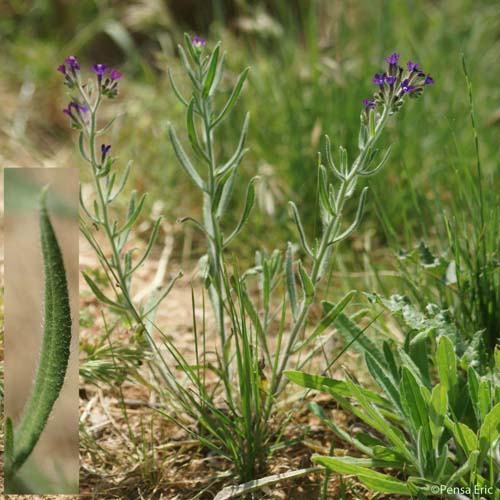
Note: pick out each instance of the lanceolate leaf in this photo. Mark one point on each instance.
(415, 407)
(332, 311)
(490, 430)
(250, 197)
(211, 71)
(233, 97)
(184, 160)
(55, 348)
(374, 480)
(350, 331)
(290, 280)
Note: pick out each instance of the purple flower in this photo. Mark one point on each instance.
(412, 66)
(391, 80)
(104, 151)
(379, 79)
(77, 107)
(62, 69)
(406, 87)
(115, 75)
(367, 103)
(99, 69)
(198, 41)
(428, 80)
(72, 62)
(392, 59)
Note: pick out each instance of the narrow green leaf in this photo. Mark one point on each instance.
(249, 200)
(132, 216)
(120, 188)
(184, 160)
(193, 134)
(329, 159)
(350, 330)
(290, 280)
(323, 190)
(332, 312)
(357, 219)
(233, 98)
(99, 294)
(152, 240)
(373, 171)
(176, 90)
(381, 483)
(307, 285)
(211, 71)
(300, 227)
(240, 151)
(55, 350)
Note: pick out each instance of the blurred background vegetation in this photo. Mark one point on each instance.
(311, 62)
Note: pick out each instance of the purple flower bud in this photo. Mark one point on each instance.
(62, 69)
(367, 103)
(78, 107)
(412, 66)
(428, 80)
(72, 62)
(115, 75)
(198, 41)
(392, 59)
(99, 69)
(391, 80)
(104, 151)
(406, 87)
(379, 79)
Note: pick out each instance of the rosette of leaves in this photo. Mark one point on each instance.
(433, 431)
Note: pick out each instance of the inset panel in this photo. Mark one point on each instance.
(41, 330)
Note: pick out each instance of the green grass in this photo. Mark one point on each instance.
(310, 78)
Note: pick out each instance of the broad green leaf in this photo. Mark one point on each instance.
(465, 437)
(490, 430)
(415, 407)
(438, 408)
(447, 366)
(383, 380)
(484, 398)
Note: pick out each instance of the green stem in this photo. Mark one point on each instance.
(322, 256)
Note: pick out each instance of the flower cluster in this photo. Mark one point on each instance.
(107, 83)
(396, 83)
(198, 42)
